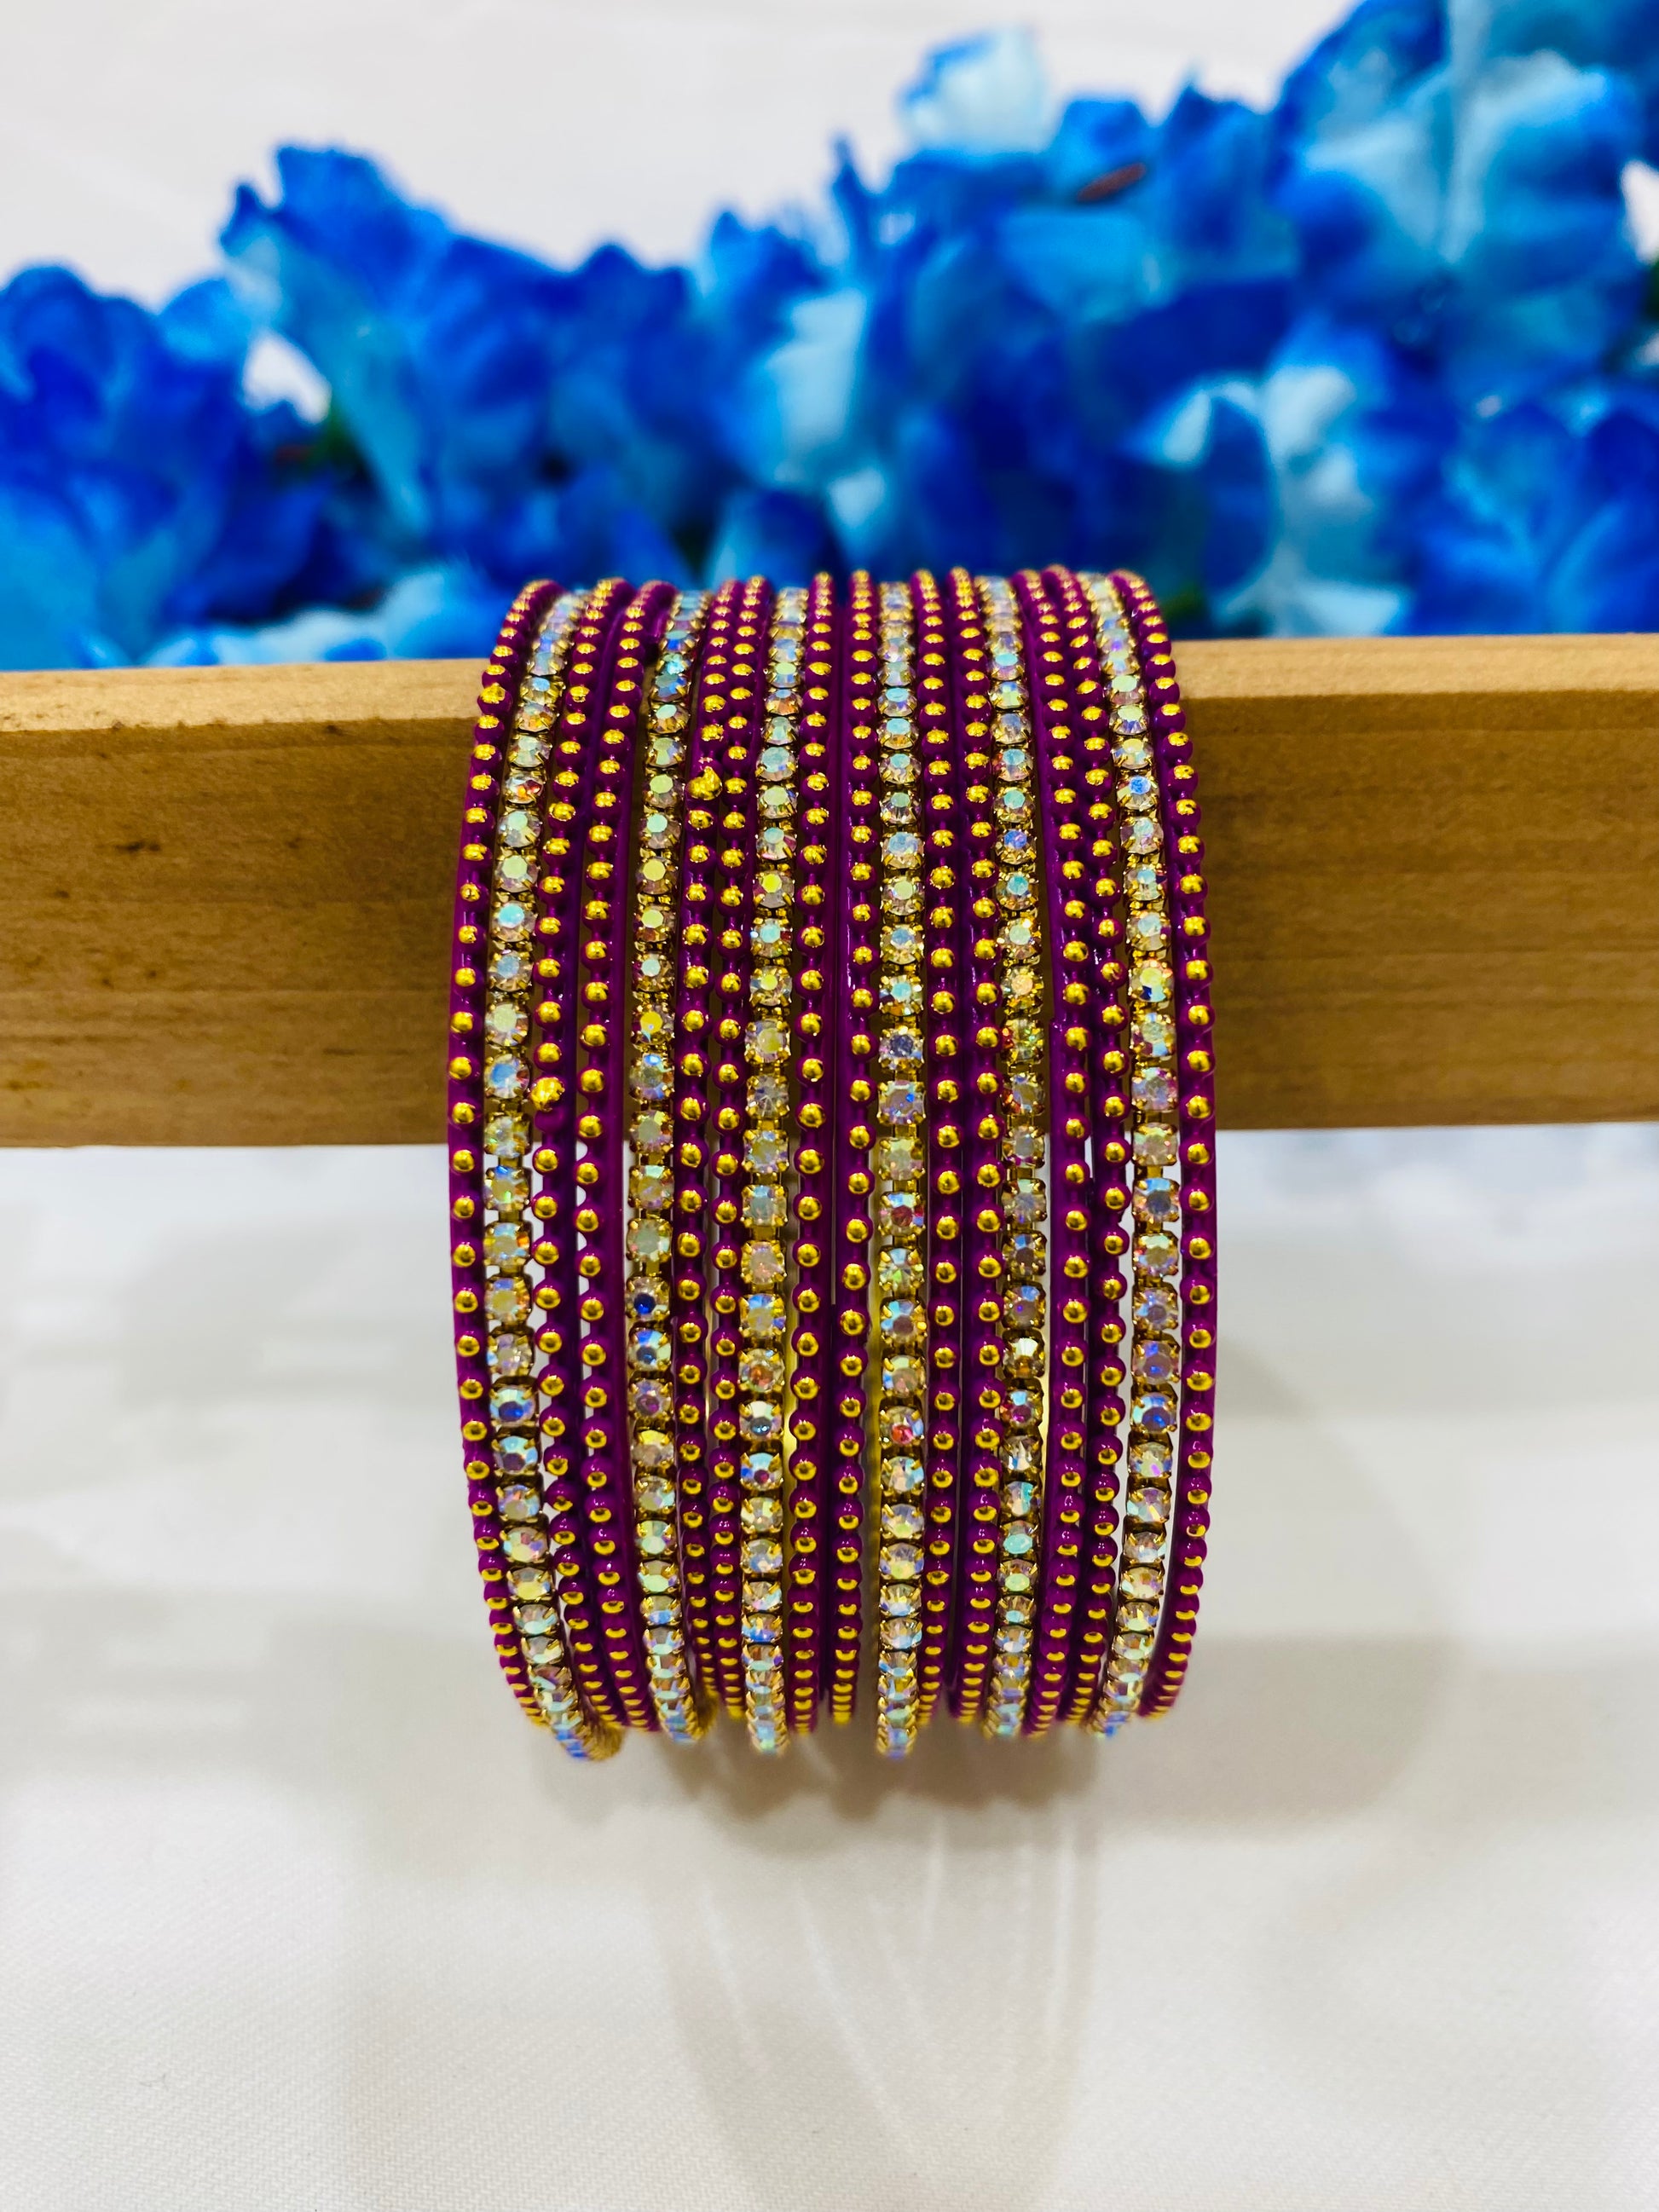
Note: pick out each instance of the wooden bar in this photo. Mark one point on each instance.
(1435, 871)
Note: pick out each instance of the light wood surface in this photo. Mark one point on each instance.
(1434, 863)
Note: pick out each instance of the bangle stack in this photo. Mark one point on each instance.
(831, 1147)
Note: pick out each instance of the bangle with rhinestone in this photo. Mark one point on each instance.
(1024, 1195)
(695, 1030)
(1108, 1059)
(981, 1256)
(526, 1530)
(607, 874)
(855, 1047)
(812, 699)
(551, 1597)
(1057, 767)
(1154, 1355)
(770, 917)
(531, 1544)
(1189, 958)
(938, 703)
(763, 1362)
(743, 1316)
(570, 715)
(503, 675)
(681, 1711)
(898, 1353)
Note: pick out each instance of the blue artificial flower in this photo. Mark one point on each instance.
(136, 488)
(433, 614)
(1620, 36)
(1546, 525)
(513, 417)
(1468, 205)
(1384, 356)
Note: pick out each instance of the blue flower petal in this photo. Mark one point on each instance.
(771, 534)
(985, 96)
(1382, 357)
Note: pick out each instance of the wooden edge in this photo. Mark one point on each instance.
(1374, 677)
(1434, 868)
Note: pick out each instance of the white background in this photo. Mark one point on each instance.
(552, 123)
(297, 1914)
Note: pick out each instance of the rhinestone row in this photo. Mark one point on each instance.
(800, 692)
(762, 1365)
(529, 1546)
(981, 1261)
(510, 664)
(748, 1285)
(529, 1529)
(650, 1183)
(869, 814)
(572, 721)
(937, 711)
(898, 1162)
(1182, 826)
(1104, 1032)
(1024, 1195)
(1071, 1182)
(608, 866)
(1155, 1192)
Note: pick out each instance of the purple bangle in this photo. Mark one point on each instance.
(608, 875)
(1108, 1063)
(553, 1597)
(554, 1097)
(502, 675)
(939, 712)
(696, 1048)
(1070, 1208)
(683, 1710)
(745, 689)
(982, 1346)
(1183, 836)
(1022, 1127)
(817, 788)
(855, 973)
(1158, 1308)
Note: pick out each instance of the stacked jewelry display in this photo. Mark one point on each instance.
(831, 1101)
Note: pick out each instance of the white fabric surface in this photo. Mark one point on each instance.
(295, 1912)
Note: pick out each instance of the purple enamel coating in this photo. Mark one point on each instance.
(736, 836)
(819, 755)
(1183, 836)
(553, 1127)
(983, 1344)
(1109, 1105)
(606, 1466)
(505, 669)
(1070, 1196)
(695, 1044)
(855, 1027)
(948, 1107)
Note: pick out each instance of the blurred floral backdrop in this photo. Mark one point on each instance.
(1385, 358)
